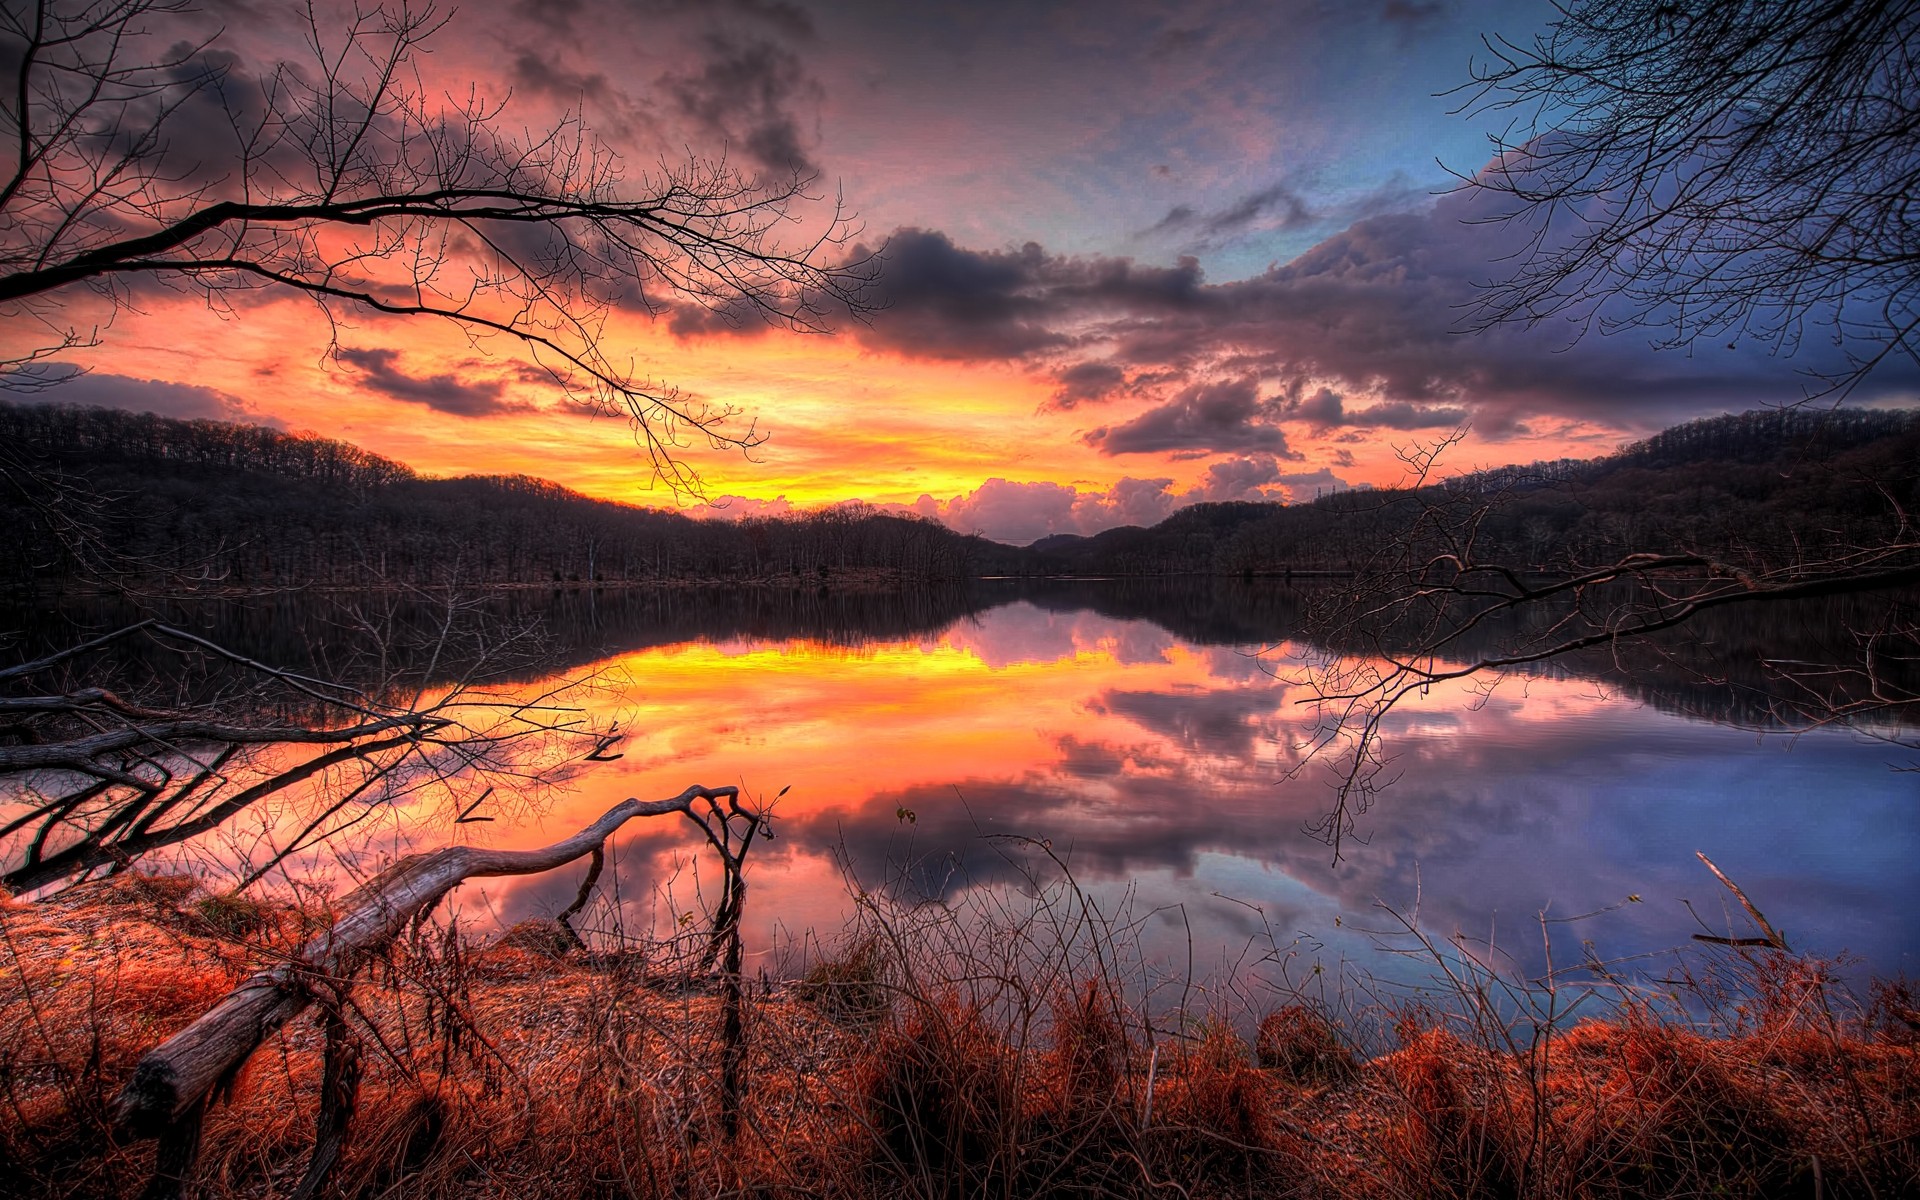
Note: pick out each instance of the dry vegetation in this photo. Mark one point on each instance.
(934, 1054)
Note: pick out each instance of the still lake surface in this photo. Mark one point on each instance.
(1146, 733)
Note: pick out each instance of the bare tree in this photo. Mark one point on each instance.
(107, 764)
(1711, 170)
(1441, 600)
(141, 149)
(1696, 169)
(140, 152)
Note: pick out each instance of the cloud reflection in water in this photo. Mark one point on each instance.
(1150, 762)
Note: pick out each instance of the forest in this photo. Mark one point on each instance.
(215, 505)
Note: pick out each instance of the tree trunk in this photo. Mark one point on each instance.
(177, 1076)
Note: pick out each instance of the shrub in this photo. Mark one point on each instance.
(1302, 1046)
(938, 1100)
(850, 986)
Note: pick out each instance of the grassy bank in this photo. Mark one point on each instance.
(933, 1054)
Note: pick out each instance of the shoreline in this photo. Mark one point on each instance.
(516, 1068)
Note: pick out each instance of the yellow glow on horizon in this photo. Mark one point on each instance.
(843, 422)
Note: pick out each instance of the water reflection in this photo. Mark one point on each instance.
(1141, 731)
(1153, 763)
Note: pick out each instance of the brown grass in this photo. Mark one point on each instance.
(930, 1062)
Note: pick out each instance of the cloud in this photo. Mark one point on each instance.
(68, 384)
(1326, 409)
(1020, 513)
(943, 302)
(1242, 479)
(1363, 330)
(1204, 418)
(1258, 478)
(1299, 483)
(1014, 512)
(741, 508)
(742, 95)
(443, 393)
(1276, 207)
(537, 74)
(1412, 12)
(1087, 383)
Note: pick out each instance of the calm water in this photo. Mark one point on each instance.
(1146, 735)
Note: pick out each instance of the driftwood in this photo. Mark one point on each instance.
(171, 1085)
(1773, 939)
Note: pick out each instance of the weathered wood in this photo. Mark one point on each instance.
(1774, 937)
(173, 1163)
(179, 1074)
(339, 1089)
(580, 898)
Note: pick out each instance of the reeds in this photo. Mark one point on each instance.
(987, 1047)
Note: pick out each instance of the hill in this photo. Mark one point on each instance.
(98, 492)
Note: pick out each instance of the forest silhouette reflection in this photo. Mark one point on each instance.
(1144, 729)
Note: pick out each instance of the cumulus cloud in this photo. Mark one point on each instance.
(1014, 512)
(1204, 418)
(445, 393)
(1242, 479)
(941, 301)
(1363, 330)
(1021, 513)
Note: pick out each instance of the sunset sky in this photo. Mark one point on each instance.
(1135, 255)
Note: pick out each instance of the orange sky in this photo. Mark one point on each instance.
(843, 420)
(1129, 259)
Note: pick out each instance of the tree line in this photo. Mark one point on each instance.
(1757, 488)
(224, 505)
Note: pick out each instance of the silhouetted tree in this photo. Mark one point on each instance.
(139, 150)
(1703, 170)
(1713, 169)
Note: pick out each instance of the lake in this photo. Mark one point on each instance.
(940, 745)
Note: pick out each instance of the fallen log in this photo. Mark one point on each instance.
(173, 1081)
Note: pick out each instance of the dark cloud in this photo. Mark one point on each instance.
(537, 74)
(64, 383)
(443, 393)
(1222, 722)
(1363, 330)
(1087, 383)
(1279, 207)
(743, 95)
(1224, 416)
(789, 20)
(942, 301)
(549, 14)
(1326, 408)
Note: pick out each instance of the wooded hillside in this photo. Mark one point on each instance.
(234, 506)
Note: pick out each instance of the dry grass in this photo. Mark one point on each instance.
(931, 1058)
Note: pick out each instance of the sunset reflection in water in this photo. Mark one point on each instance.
(1157, 769)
